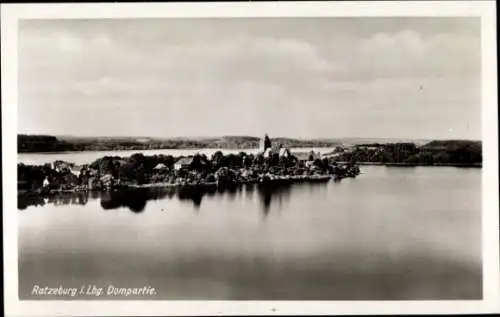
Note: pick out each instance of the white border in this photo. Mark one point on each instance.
(485, 9)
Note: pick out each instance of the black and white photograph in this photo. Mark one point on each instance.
(250, 158)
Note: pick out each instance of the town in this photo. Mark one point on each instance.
(273, 163)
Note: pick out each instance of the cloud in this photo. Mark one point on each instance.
(297, 62)
(99, 86)
(405, 43)
(44, 44)
(67, 42)
(102, 40)
(409, 54)
(324, 80)
(268, 52)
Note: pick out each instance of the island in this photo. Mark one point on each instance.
(273, 164)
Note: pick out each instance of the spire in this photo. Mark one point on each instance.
(267, 142)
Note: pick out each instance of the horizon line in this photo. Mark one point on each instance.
(242, 136)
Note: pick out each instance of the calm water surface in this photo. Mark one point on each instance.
(389, 234)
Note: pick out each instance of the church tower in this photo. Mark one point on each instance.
(265, 143)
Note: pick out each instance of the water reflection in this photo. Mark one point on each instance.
(136, 199)
(26, 201)
(195, 194)
(267, 192)
(328, 245)
(61, 199)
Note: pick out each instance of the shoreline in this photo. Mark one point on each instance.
(269, 179)
(276, 180)
(274, 165)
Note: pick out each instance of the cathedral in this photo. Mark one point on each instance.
(268, 150)
(265, 143)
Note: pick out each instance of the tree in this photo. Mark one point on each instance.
(217, 158)
(248, 160)
(197, 162)
(258, 159)
(231, 160)
(427, 158)
(442, 157)
(318, 163)
(273, 160)
(325, 163)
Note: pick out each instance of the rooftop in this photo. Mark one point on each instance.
(184, 160)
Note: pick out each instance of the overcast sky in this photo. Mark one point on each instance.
(307, 77)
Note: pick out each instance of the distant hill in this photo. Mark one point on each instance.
(356, 141)
(47, 143)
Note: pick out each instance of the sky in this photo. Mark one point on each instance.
(416, 78)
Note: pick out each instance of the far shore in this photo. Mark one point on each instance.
(183, 149)
(476, 165)
(274, 163)
(454, 153)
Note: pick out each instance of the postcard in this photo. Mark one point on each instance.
(250, 158)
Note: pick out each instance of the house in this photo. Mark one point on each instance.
(277, 149)
(269, 152)
(76, 170)
(183, 162)
(284, 152)
(61, 166)
(160, 167)
(331, 155)
(46, 182)
(307, 158)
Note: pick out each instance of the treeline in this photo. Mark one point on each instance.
(448, 152)
(45, 143)
(140, 169)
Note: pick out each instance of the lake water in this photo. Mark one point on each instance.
(87, 157)
(389, 234)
